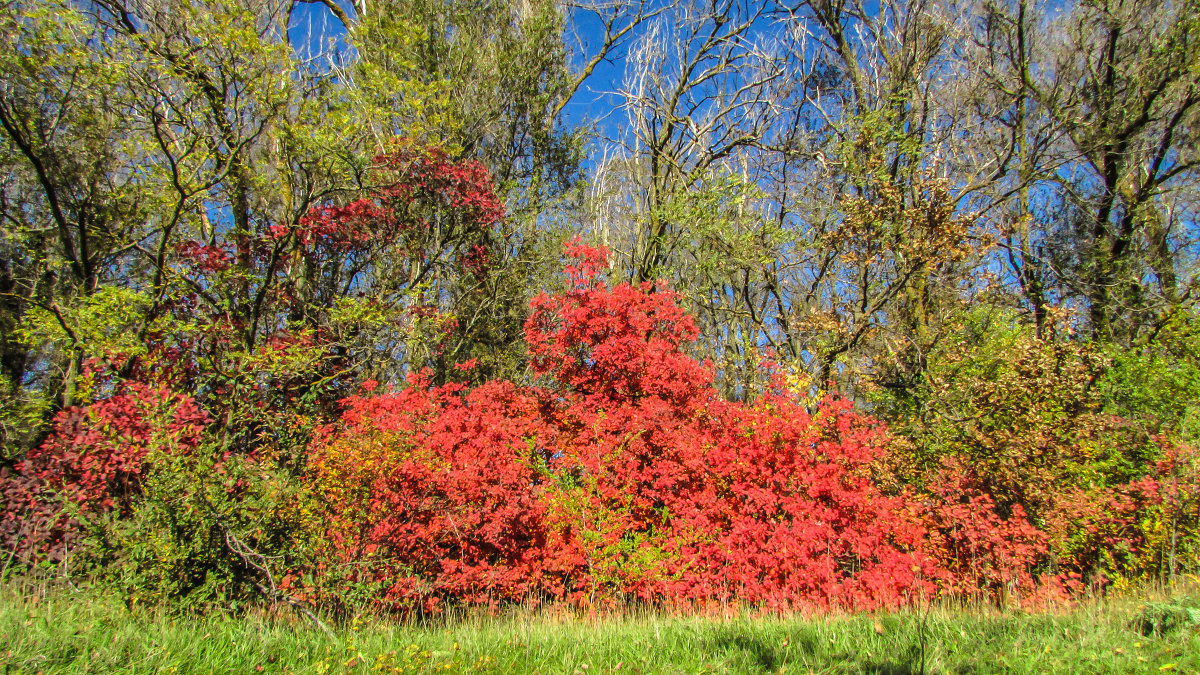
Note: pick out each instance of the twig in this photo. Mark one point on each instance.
(253, 558)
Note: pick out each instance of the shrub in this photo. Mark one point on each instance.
(90, 470)
(1018, 425)
(431, 494)
(624, 475)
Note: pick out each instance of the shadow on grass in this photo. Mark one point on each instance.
(766, 656)
(770, 656)
(903, 667)
(908, 663)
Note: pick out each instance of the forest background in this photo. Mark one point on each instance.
(864, 302)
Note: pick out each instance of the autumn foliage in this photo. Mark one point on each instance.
(622, 475)
(92, 467)
(617, 474)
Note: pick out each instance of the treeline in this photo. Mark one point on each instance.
(283, 316)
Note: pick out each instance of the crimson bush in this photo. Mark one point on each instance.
(624, 475)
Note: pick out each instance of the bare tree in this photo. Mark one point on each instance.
(702, 86)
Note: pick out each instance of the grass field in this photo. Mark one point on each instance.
(69, 632)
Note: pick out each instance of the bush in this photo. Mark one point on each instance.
(91, 470)
(1026, 427)
(623, 475)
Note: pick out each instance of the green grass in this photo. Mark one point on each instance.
(65, 632)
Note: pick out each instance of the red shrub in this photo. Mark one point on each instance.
(92, 466)
(786, 513)
(433, 494)
(629, 476)
(618, 345)
(979, 554)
